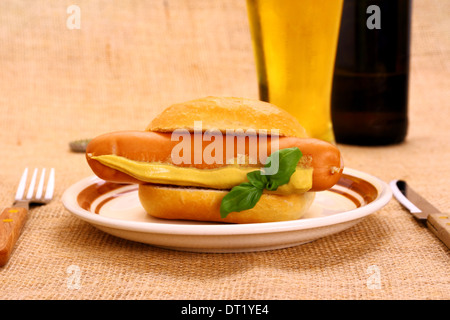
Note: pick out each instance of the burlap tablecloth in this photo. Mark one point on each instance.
(128, 60)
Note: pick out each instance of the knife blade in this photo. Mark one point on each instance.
(422, 210)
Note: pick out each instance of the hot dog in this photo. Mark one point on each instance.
(186, 172)
(144, 146)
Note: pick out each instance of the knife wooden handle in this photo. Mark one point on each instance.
(439, 224)
(12, 220)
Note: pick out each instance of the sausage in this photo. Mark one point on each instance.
(147, 146)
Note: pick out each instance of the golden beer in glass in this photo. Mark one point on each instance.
(295, 45)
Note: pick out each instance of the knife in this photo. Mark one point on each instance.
(422, 210)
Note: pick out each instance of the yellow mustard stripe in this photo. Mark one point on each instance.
(7, 220)
(13, 210)
(218, 178)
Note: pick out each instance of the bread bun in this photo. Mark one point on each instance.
(222, 113)
(171, 202)
(202, 204)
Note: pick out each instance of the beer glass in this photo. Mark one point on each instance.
(295, 43)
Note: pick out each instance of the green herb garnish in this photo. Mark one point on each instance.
(247, 194)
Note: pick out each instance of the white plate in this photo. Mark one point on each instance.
(116, 209)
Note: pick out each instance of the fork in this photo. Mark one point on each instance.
(12, 219)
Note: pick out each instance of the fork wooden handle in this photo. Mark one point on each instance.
(12, 220)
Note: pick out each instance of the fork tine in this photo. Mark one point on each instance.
(40, 188)
(50, 185)
(32, 183)
(21, 188)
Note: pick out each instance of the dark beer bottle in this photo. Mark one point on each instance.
(370, 84)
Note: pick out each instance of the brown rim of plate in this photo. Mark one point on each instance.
(364, 190)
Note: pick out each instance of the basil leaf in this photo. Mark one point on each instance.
(257, 179)
(246, 195)
(242, 197)
(287, 163)
(272, 185)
